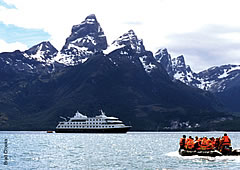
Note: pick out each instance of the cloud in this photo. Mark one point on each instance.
(133, 23)
(9, 47)
(6, 5)
(184, 27)
(11, 33)
(209, 46)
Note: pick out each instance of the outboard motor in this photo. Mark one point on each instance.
(226, 150)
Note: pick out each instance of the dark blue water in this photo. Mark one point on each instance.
(41, 150)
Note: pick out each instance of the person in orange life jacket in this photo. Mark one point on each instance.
(189, 138)
(225, 141)
(190, 143)
(209, 144)
(182, 142)
(204, 144)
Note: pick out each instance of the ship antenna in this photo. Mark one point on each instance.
(102, 112)
(63, 118)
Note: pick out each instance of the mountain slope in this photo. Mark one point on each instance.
(133, 86)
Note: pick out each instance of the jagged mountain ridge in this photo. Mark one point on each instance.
(215, 79)
(85, 40)
(123, 78)
(119, 83)
(223, 80)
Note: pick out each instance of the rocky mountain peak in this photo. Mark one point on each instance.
(85, 40)
(164, 58)
(91, 19)
(129, 39)
(42, 52)
(179, 62)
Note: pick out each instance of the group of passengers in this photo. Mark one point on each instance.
(204, 143)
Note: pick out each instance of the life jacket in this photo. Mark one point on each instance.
(182, 141)
(186, 141)
(226, 140)
(190, 144)
(214, 143)
(204, 144)
(209, 144)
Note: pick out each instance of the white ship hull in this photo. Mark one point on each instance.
(106, 130)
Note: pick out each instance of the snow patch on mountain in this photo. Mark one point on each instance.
(43, 52)
(148, 66)
(128, 39)
(70, 60)
(112, 48)
(226, 72)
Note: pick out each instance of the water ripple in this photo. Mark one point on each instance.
(39, 150)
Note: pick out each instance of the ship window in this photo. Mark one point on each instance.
(90, 119)
(78, 120)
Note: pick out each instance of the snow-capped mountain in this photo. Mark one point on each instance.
(44, 52)
(176, 67)
(181, 71)
(85, 40)
(38, 59)
(219, 79)
(127, 39)
(129, 47)
(124, 78)
(215, 79)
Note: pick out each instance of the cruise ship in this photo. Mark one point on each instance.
(99, 124)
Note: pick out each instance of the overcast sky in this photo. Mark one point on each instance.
(206, 32)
